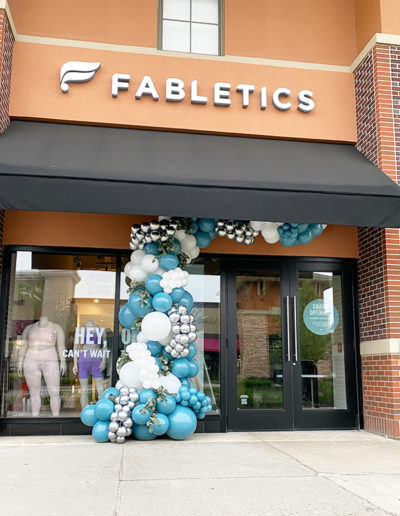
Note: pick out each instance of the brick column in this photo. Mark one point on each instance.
(6, 50)
(378, 127)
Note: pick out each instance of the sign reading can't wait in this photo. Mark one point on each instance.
(176, 90)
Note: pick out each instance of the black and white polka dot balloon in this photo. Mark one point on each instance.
(184, 330)
(238, 230)
(121, 423)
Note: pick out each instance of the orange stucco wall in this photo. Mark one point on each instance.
(112, 232)
(367, 21)
(36, 94)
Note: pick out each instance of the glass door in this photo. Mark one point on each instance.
(291, 360)
(259, 375)
(324, 376)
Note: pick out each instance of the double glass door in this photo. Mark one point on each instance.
(291, 359)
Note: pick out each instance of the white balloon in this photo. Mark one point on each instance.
(170, 382)
(256, 224)
(149, 263)
(142, 338)
(119, 384)
(129, 376)
(180, 235)
(136, 274)
(137, 256)
(194, 253)
(188, 243)
(165, 342)
(127, 269)
(156, 326)
(271, 236)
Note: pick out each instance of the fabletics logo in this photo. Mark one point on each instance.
(77, 71)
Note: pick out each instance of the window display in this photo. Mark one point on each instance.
(57, 355)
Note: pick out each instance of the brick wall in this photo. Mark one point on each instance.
(6, 51)
(377, 82)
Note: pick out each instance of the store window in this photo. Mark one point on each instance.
(191, 26)
(57, 354)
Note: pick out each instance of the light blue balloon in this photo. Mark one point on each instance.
(161, 425)
(88, 416)
(176, 294)
(305, 237)
(316, 229)
(100, 431)
(162, 302)
(182, 423)
(126, 317)
(206, 225)
(192, 350)
(103, 409)
(146, 394)
(193, 368)
(168, 261)
(167, 405)
(177, 245)
(185, 395)
(213, 235)
(142, 433)
(138, 417)
(111, 391)
(154, 347)
(195, 227)
(302, 228)
(185, 382)
(201, 395)
(151, 248)
(181, 367)
(167, 355)
(187, 300)
(202, 239)
(193, 400)
(152, 284)
(137, 306)
(201, 415)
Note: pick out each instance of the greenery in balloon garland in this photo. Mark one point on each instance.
(156, 393)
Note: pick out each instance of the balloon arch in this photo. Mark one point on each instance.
(156, 393)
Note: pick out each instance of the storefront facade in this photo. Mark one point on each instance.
(204, 109)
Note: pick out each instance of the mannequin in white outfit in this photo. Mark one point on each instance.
(38, 357)
(88, 364)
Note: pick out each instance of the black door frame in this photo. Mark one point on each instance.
(295, 417)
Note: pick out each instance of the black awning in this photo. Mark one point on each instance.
(46, 166)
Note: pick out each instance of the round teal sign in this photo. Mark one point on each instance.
(320, 317)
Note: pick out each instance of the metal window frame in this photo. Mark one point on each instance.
(221, 27)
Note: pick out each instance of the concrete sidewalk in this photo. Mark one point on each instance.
(265, 473)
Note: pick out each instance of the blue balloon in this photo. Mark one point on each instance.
(187, 300)
(316, 229)
(177, 293)
(146, 394)
(185, 396)
(152, 284)
(126, 317)
(184, 403)
(154, 347)
(195, 227)
(168, 261)
(142, 433)
(158, 362)
(161, 425)
(137, 306)
(206, 225)
(201, 395)
(100, 431)
(177, 245)
(181, 367)
(305, 237)
(151, 248)
(302, 228)
(182, 423)
(167, 405)
(288, 241)
(103, 409)
(202, 239)
(213, 235)
(185, 382)
(138, 417)
(201, 415)
(192, 350)
(167, 355)
(110, 391)
(193, 368)
(193, 399)
(88, 416)
(162, 302)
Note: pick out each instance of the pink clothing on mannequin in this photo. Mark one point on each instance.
(46, 335)
(43, 362)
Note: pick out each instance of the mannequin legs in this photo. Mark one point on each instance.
(37, 363)
(85, 389)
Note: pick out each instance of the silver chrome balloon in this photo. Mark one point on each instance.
(122, 416)
(154, 225)
(114, 416)
(145, 227)
(185, 328)
(113, 426)
(185, 318)
(230, 235)
(192, 336)
(128, 423)
(117, 407)
(185, 352)
(174, 353)
(124, 399)
(112, 436)
(174, 317)
(176, 328)
(128, 432)
(120, 440)
(131, 405)
(126, 409)
(182, 309)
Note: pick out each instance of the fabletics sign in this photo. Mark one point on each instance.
(176, 90)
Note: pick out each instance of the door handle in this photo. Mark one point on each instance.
(296, 344)
(288, 352)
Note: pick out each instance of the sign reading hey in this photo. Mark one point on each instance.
(176, 90)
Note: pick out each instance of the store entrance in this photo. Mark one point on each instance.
(291, 358)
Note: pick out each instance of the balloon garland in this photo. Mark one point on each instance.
(156, 393)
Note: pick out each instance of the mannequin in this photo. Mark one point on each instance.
(89, 362)
(38, 357)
